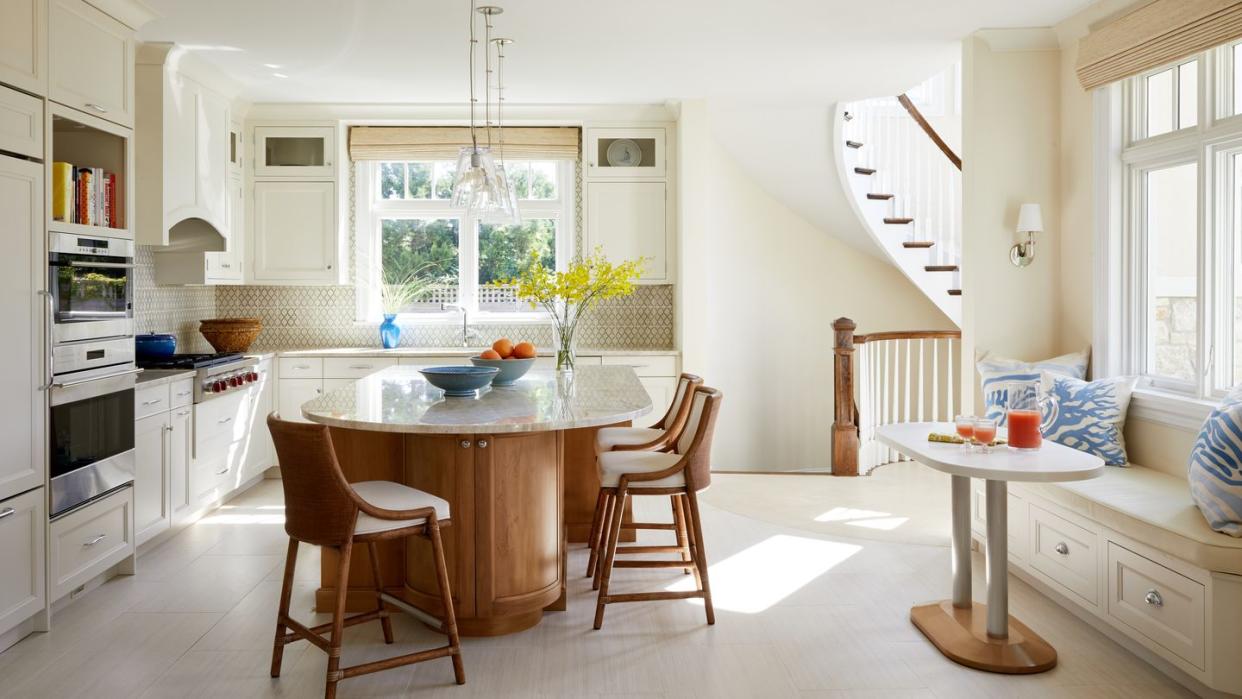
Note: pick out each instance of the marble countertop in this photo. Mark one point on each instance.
(399, 399)
(457, 352)
(156, 377)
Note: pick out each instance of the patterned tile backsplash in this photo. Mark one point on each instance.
(170, 309)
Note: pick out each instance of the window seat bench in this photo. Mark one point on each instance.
(1129, 553)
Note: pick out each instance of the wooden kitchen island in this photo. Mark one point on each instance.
(516, 464)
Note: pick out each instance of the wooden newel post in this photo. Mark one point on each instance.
(844, 431)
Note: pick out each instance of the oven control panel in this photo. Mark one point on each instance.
(223, 382)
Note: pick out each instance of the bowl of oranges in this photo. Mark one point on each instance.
(513, 360)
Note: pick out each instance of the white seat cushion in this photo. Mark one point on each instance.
(610, 437)
(1150, 507)
(394, 496)
(614, 463)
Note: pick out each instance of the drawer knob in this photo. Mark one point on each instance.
(1062, 549)
(465, 444)
(96, 540)
(482, 443)
(1153, 598)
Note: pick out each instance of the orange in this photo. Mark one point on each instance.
(490, 354)
(503, 347)
(524, 350)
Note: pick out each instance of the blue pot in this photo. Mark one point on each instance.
(155, 346)
(390, 332)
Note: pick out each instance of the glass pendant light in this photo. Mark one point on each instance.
(507, 213)
(480, 185)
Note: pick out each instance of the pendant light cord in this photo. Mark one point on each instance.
(487, 76)
(474, 139)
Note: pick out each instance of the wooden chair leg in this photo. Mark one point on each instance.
(446, 599)
(286, 593)
(385, 621)
(690, 542)
(679, 525)
(700, 555)
(338, 620)
(597, 524)
(610, 553)
(610, 505)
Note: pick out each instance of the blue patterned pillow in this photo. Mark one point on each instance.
(1089, 415)
(997, 374)
(1216, 466)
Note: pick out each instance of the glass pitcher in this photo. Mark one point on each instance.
(1026, 416)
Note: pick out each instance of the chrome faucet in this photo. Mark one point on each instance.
(466, 332)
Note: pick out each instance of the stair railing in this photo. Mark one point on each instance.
(884, 378)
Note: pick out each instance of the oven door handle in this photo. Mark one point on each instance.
(105, 265)
(67, 384)
(47, 336)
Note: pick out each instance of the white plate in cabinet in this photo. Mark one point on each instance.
(295, 232)
(629, 220)
(646, 143)
(22, 593)
(21, 122)
(294, 151)
(1163, 605)
(356, 367)
(88, 541)
(1066, 553)
(293, 393)
(23, 44)
(92, 62)
(152, 511)
(301, 368)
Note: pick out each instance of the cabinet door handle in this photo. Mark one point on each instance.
(303, 367)
(153, 401)
(359, 366)
(168, 428)
(7, 512)
(184, 393)
(221, 473)
(482, 443)
(1153, 598)
(226, 265)
(465, 444)
(224, 420)
(97, 107)
(96, 540)
(1062, 548)
(183, 413)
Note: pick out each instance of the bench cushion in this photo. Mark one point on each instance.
(1152, 508)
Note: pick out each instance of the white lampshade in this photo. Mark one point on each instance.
(1029, 219)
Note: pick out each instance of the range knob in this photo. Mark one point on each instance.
(253, 376)
(208, 387)
(233, 381)
(218, 386)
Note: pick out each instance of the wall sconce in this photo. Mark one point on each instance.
(1030, 222)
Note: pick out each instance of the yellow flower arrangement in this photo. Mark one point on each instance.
(567, 295)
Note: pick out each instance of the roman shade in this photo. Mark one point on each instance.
(445, 142)
(1155, 34)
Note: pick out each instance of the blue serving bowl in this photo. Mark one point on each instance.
(155, 346)
(510, 369)
(459, 380)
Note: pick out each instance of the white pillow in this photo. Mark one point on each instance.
(997, 374)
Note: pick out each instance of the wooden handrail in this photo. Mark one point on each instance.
(908, 335)
(931, 132)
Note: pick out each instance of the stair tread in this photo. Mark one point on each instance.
(853, 144)
(955, 292)
(918, 243)
(898, 220)
(940, 268)
(880, 197)
(865, 170)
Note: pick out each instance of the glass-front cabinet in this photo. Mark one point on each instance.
(624, 152)
(294, 151)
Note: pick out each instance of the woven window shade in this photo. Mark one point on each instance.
(1155, 34)
(445, 142)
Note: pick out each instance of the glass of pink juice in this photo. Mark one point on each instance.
(965, 428)
(1024, 429)
(985, 433)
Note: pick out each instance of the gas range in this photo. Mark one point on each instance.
(217, 374)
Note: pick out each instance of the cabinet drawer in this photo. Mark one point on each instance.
(88, 541)
(656, 365)
(1065, 552)
(1163, 605)
(435, 360)
(301, 368)
(151, 400)
(22, 520)
(354, 368)
(182, 393)
(222, 418)
(21, 123)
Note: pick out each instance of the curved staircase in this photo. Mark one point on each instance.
(905, 185)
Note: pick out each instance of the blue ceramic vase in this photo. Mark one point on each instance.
(390, 332)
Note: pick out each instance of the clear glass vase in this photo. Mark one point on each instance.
(566, 353)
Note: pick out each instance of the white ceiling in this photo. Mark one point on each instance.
(585, 51)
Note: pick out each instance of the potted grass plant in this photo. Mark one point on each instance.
(397, 294)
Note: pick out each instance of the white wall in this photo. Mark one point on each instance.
(760, 287)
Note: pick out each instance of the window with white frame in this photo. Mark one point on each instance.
(1181, 236)
(408, 226)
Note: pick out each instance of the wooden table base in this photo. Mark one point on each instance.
(961, 634)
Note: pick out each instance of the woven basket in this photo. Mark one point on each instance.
(230, 334)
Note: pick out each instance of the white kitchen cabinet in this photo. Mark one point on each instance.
(152, 490)
(23, 44)
(22, 590)
(221, 426)
(226, 267)
(294, 151)
(658, 374)
(88, 541)
(624, 152)
(180, 450)
(629, 220)
(22, 279)
(293, 393)
(21, 123)
(260, 453)
(295, 233)
(91, 62)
